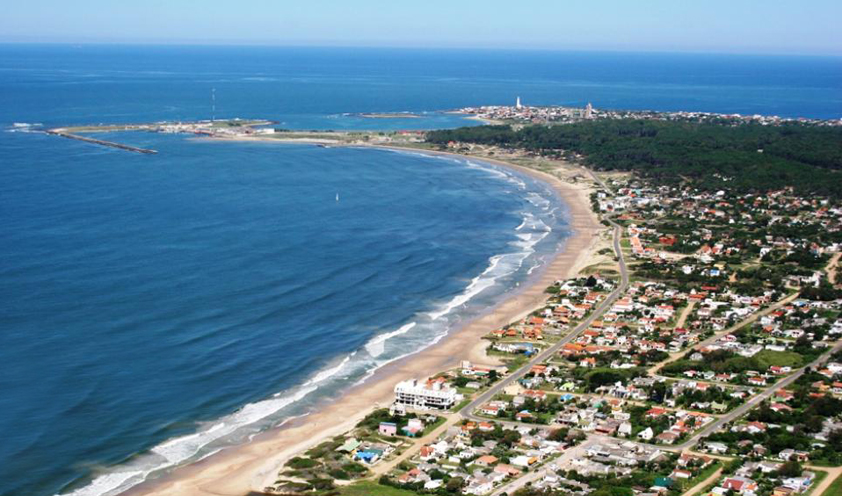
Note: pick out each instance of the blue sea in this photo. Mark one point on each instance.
(157, 309)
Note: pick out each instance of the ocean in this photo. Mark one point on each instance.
(156, 309)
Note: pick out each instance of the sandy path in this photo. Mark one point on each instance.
(387, 466)
(748, 320)
(684, 314)
(832, 474)
(705, 483)
(253, 466)
(831, 268)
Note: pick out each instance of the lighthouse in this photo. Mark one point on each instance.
(517, 104)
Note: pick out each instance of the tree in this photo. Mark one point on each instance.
(790, 469)
(558, 434)
(454, 485)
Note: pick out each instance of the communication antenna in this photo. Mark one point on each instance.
(213, 104)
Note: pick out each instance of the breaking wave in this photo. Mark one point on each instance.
(502, 273)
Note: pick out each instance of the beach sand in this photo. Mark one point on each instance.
(253, 466)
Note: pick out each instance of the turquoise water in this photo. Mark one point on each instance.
(156, 309)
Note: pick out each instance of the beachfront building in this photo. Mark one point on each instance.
(428, 394)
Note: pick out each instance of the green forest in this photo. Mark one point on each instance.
(744, 158)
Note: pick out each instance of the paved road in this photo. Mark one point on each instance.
(751, 403)
(468, 411)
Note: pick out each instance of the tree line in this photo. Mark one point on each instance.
(745, 157)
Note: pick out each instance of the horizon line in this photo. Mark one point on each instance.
(255, 44)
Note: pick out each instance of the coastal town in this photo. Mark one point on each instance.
(700, 355)
(538, 114)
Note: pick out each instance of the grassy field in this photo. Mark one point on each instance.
(368, 488)
(768, 358)
(462, 404)
(834, 489)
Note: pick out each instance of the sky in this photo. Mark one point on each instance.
(723, 26)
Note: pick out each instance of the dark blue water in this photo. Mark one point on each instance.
(158, 308)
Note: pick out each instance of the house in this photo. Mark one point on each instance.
(739, 484)
(486, 461)
(655, 412)
(479, 486)
(716, 448)
(524, 416)
(535, 394)
(757, 381)
(625, 429)
(588, 362)
(755, 427)
(646, 434)
(667, 437)
(681, 474)
(369, 456)
(413, 475)
(690, 460)
(784, 395)
(413, 427)
(490, 410)
(791, 454)
(783, 491)
(427, 453)
(507, 470)
(388, 429)
(524, 461)
(802, 483)
(349, 446)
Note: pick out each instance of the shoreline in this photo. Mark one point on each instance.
(252, 466)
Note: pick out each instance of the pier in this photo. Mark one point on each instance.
(120, 146)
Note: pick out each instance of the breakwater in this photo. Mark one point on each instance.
(100, 142)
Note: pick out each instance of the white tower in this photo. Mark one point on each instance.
(589, 111)
(517, 104)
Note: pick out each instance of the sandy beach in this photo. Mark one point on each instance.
(253, 466)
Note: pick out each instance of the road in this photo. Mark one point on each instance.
(684, 314)
(386, 466)
(705, 483)
(832, 474)
(539, 473)
(831, 268)
(468, 411)
(751, 403)
(746, 321)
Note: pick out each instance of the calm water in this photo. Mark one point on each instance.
(158, 308)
